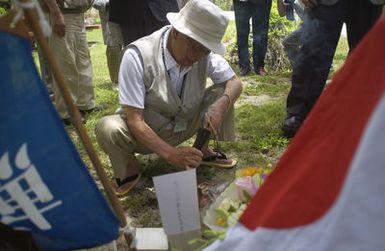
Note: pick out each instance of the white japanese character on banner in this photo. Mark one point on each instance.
(24, 197)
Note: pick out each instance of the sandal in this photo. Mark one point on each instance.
(219, 160)
(126, 184)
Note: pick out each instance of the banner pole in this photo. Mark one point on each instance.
(75, 116)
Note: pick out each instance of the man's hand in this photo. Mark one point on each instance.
(213, 118)
(57, 17)
(186, 157)
(309, 3)
(217, 111)
(58, 24)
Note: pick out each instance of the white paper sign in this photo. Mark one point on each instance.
(178, 201)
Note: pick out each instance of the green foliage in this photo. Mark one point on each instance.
(279, 27)
(230, 39)
(208, 237)
(5, 5)
(224, 4)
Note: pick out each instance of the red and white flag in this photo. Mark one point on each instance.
(328, 190)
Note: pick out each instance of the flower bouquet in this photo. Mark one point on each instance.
(225, 211)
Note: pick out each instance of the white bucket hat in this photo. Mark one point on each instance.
(202, 21)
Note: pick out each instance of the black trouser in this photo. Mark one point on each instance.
(143, 27)
(322, 29)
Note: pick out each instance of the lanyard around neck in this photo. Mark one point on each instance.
(168, 73)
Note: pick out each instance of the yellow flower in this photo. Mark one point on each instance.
(249, 171)
(221, 222)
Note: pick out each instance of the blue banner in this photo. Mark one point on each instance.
(44, 185)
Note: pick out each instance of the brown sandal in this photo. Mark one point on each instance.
(126, 184)
(219, 160)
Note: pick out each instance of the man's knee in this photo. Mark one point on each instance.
(108, 131)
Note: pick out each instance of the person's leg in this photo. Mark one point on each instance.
(113, 40)
(321, 31)
(84, 93)
(292, 44)
(45, 70)
(215, 157)
(242, 22)
(260, 22)
(115, 139)
(361, 16)
(113, 54)
(64, 52)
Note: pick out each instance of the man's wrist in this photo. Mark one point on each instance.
(166, 153)
(229, 102)
(57, 16)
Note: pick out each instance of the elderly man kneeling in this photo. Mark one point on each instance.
(162, 90)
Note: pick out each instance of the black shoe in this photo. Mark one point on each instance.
(291, 126)
(97, 108)
(68, 122)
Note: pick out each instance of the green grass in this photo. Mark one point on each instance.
(273, 88)
(259, 140)
(231, 32)
(340, 55)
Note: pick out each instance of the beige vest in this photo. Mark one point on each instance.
(162, 105)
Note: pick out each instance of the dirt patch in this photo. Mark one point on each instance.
(253, 100)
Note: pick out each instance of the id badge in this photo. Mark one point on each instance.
(180, 125)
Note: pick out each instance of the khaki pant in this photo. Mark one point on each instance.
(73, 57)
(113, 54)
(116, 140)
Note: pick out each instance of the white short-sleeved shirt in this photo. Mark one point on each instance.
(131, 85)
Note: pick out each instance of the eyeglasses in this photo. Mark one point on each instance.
(195, 47)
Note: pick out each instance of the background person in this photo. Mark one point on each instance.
(112, 37)
(55, 17)
(321, 32)
(73, 57)
(292, 42)
(259, 12)
(139, 18)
